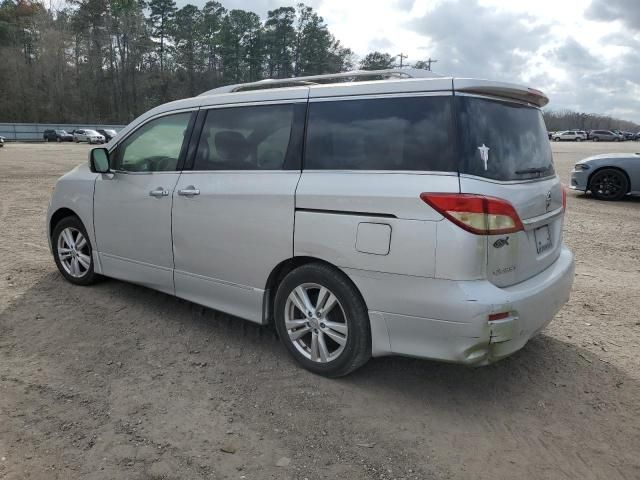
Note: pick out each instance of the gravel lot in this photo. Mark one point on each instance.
(117, 381)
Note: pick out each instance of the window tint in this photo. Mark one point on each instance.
(502, 140)
(380, 134)
(154, 147)
(245, 138)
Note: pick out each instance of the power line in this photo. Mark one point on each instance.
(402, 56)
(429, 62)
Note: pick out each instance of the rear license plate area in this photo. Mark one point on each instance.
(542, 237)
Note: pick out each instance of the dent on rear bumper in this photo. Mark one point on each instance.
(448, 320)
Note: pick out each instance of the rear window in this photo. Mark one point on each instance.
(381, 134)
(502, 140)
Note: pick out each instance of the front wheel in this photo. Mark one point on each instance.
(609, 184)
(322, 320)
(72, 251)
(578, 139)
(557, 139)
(596, 139)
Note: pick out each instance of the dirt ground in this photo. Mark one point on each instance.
(117, 381)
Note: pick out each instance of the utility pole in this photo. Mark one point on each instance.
(402, 56)
(429, 62)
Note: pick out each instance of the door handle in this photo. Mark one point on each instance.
(190, 191)
(159, 192)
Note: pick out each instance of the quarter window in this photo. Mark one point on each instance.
(245, 138)
(154, 147)
(397, 133)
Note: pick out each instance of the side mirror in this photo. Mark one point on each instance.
(99, 160)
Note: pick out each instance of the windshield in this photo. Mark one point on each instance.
(110, 132)
(91, 132)
(502, 140)
(61, 132)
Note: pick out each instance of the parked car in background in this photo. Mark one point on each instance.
(87, 135)
(420, 229)
(107, 133)
(637, 136)
(608, 177)
(570, 135)
(629, 135)
(605, 136)
(57, 136)
(1, 141)
(619, 133)
(550, 135)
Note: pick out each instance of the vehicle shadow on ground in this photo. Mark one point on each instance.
(628, 199)
(544, 360)
(116, 344)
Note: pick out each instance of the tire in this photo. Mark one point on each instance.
(76, 272)
(47, 140)
(58, 139)
(347, 315)
(608, 184)
(578, 139)
(596, 139)
(557, 139)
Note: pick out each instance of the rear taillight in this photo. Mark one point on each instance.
(564, 197)
(477, 214)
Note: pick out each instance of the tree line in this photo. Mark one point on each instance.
(110, 60)
(107, 61)
(570, 120)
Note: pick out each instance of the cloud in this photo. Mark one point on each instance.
(469, 39)
(627, 11)
(380, 44)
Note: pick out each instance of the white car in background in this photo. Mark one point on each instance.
(1, 141)
(570, 135)
(87, 135)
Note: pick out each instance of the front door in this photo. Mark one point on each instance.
(233, 212)
(132, 206)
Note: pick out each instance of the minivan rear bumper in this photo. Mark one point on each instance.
(449, 320)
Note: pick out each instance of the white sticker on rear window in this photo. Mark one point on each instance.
(484, 155)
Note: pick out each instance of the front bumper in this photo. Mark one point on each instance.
(579, 180)
(457, 327)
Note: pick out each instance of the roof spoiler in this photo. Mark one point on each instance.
(502, 90)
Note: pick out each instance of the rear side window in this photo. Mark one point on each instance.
(502, 140)
(397, 133)
(245, 138)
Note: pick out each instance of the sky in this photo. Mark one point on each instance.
(584, 54)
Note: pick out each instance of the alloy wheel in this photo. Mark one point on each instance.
(607, 185)
(74, 252)
(316, 322)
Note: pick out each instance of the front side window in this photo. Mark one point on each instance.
(154, 147)
(245, 138)
(397, 133)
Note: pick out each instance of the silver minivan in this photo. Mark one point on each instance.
(363, 214)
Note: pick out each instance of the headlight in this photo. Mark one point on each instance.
(581, 166)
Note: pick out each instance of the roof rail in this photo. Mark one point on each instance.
(352, 76)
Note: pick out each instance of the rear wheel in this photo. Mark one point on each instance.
(322, 320)
(609, 184)
(578, 139)
(72, 251)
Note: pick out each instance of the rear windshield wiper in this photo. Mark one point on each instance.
(532, 170)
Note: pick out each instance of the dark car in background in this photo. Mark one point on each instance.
(51, 135)
(107, 133)
(604, 136)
